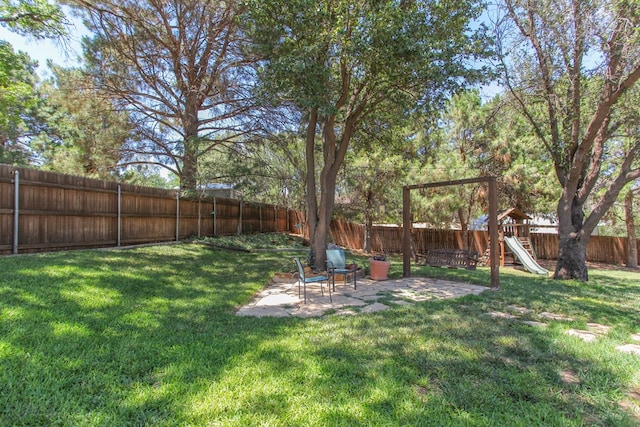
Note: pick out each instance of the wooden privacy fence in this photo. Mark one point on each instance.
(606, 249)
(43, 211)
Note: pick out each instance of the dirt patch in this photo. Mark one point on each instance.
(569, 377)
(632, 404)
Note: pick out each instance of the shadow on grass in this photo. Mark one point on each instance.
(609, 296)
(149, 337)
(109, 336)
(457, 366)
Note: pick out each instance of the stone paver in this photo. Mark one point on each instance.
(277, 300)
(263, 312)
(534, 323)
(502, 315)
(598, 328)
(281, 299)
(374, 307)
(518, 309)
(586, 336)
(400, 302)
(635, 337)
(554, 316)
(629, 348)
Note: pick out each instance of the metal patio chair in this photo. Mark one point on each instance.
(302, 278)
(337, 264)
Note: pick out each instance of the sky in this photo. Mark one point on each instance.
(64, 53)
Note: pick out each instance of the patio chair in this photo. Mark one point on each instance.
(337, 264)
(302, 278)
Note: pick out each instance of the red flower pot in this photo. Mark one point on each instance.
(378, 270)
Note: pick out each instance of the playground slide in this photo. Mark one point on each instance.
(519, 251)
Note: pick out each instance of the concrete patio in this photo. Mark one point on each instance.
(281, 299)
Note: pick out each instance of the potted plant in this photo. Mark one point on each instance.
(379, 267)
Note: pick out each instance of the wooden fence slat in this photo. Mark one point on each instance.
(64, 212)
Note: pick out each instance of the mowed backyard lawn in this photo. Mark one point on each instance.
(148, 336)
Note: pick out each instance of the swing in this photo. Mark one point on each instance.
(445, 257)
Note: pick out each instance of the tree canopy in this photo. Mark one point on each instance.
(35, 18)
(18, 99)
(340, 62)
(178, 69)
(569, 69)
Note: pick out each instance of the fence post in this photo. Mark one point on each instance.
(119, 215)
(199, 213)
(177, 216)
(260, 215)
(240, 219)
(215, 214)
(16, 209)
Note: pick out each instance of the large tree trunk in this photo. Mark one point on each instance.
(325, 213)
(572, 258)
(188, 179)
(368, 226)
(632, 242)
(573, 239)
(312, 201)
(368, 222)
(333, 156)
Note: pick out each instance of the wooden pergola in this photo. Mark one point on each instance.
(493, 223)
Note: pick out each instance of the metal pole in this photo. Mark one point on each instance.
(177, 216)
(119, 214)
(16, 209)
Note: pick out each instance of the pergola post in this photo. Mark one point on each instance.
(406, 232)
(493, 234)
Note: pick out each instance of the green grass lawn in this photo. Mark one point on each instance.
(148, 336)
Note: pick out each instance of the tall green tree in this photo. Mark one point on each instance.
(371, 189)
(339, 62)
(269, 171)
(35, 18)
(480, 139)
(178, 70)
(463, 151)
(82, 132)
(571, 63)
(18, 100)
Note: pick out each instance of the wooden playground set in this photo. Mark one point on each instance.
(513, 224)
(509, 228)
